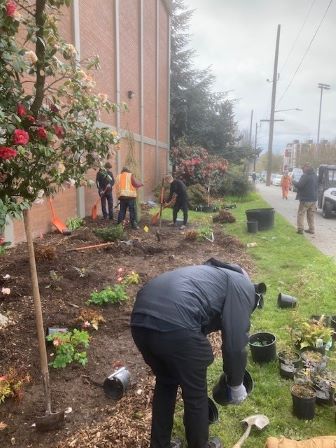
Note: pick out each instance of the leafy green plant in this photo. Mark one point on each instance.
(312, 334)
(131, 279)
(115, 294)
(69, 347)
(112, 233)
(205, 233)
(74, 223)
(4, 246)
(11, 384)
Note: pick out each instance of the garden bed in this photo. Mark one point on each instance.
(67, 278)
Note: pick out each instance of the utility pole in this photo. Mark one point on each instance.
(250, 135)
(255, 146)
(322, 87)
(271, 125)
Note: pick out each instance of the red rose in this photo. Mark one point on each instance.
(59, 131)
(7, 153)
(20, 137)
(10, 8)
(21, 110)
(42, 133)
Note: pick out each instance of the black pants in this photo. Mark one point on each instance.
(181, 205)
(107, 197)
(177, 358)
(130, 204)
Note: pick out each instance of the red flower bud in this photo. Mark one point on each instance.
(59, 131)
(21, 110)
(42, 133)
(30, 119)
(10, 8)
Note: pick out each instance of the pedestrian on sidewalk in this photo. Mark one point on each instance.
(307, 194)
(126, 188)
(171, 317)
(105, 182)
(179, 191)
(285, 184)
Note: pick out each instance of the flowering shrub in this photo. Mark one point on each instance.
(194, 165)
(11, 384)
(69, 348)
(48, 134)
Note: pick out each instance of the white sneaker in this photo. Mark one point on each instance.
(182, 227)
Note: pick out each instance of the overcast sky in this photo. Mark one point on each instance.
(237, 38)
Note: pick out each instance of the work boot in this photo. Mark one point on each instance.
(176, 443)
(214, 442)
(310, 231)
(300, 231)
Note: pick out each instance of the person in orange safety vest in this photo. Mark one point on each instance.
(285, 184)
(126, 188)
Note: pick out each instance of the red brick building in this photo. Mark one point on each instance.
(132, 39)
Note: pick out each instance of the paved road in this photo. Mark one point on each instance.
(325, 236)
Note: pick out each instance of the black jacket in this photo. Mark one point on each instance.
(307, 186)
(178, 187)
(103, 179)
(205, 299)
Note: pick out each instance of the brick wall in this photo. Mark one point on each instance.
(97, 32)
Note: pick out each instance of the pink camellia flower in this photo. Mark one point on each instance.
(86, 324)
(10, 8)
(20, 137)
(59, 131)
(120, 279)
(120, 270)
(42, 133)
(21, 110)
(7, 153)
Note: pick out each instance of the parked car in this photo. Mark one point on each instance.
(296, 175)
(327, 190)
(276, 179)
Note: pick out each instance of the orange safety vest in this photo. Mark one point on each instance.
(124, 187)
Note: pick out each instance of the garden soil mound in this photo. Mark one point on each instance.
(67, 277)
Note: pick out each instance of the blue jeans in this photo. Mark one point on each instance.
(107, 197)
(127, 203)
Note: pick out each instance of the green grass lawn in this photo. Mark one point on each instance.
(288, 263)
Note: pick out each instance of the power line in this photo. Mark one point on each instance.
(298, 36)
(306, 52)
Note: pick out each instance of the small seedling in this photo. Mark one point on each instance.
(82, 272)
(55, 278)
(11, 384)
(74, 223)
(131, 279)
(114, 295)
(69, 348)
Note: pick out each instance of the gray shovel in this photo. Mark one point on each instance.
(258, 420)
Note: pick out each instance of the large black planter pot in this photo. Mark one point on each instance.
(286, 301)
(220, 390)
(303, 407)
(288, 364)
(263, 347)
(264, 217)
(252, 226)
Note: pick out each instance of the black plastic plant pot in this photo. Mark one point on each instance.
(286, 301)
(213, 412)
(117, 384)
(252, 226)
(264, 217)
(304, 401)
(289, 362)
(220, 391)
(263, 347)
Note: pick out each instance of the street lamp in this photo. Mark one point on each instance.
(322, 87)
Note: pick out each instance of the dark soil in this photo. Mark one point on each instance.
(95, 420)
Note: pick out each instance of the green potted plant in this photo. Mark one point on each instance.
(314, 335)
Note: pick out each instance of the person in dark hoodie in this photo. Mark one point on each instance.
(171, 317)
(307, 195)
(105, 182)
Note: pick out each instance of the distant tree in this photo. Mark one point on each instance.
(198, 115)
(277, 163)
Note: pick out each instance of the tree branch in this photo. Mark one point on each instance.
(40, 53)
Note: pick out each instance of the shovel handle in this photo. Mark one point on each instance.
(243, 437)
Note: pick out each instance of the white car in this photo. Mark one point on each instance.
(276, 180)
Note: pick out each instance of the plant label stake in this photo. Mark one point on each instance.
(50, 420)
